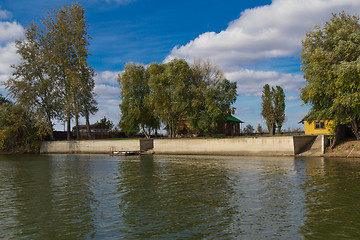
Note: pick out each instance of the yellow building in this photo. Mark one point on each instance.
(318, 127)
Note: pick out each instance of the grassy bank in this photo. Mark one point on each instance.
(347, 148)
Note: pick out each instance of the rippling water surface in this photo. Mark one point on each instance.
(178, 197)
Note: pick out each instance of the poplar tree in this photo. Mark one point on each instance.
(66, 44)
(279, 106)
(268, 109)
(273, 108)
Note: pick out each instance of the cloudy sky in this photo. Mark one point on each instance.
(253, 42)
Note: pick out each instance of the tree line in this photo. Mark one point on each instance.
(173, 94)
(53, 80)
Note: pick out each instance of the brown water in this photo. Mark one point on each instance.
(178, 197)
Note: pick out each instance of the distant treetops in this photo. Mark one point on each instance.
(172, 93)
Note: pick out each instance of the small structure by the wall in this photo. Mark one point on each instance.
(318, 127)
(98, 131)
(231, 127)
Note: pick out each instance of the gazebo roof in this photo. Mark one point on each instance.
(233, 119)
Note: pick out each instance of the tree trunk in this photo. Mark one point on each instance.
(355, 129)
(339, 134)
(88, 129)
(272, 129)
(77, 127)
(144, 131)
(52, 138)
(279, 126)
(68, 131)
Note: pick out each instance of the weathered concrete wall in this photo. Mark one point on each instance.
(227, 146)
(276, 146)
(301, 142)
(89, 146)
(146, 144)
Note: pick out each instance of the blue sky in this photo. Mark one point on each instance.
(253, 42)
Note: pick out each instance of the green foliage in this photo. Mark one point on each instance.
(136, 109)
(279, 106)
(18, 132)
(53, 79)
(3, 100)
(212, 97)
(173, 93)
(106, 122)
(249, 129)
(330, 61)
(273, 107)
(170, 92)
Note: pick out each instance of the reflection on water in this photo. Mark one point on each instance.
(178, 197)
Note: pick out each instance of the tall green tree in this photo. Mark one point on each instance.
(31, 84)
(268, 109)
(279, 106)
(273, 108)
(212, 97)
(136, 109)
(330, 61)
(66, 42)
(171, 92)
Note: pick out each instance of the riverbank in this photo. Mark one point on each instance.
(348, 148)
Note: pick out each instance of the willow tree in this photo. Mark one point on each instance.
(330, 61)
(135, 106)
(171, 92)
(211, 98)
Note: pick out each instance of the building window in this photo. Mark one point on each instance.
(319, 125)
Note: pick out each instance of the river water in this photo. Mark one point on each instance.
(178, 197)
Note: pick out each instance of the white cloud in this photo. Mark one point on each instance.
(292, 98)
(5, 14)
(251, 82)
(107, 77)
(106, 91)
(9, 32)
(265, 32)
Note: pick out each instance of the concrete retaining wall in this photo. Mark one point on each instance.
(276, 146)
(89, 146)
(226, 146)
(301, 142)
